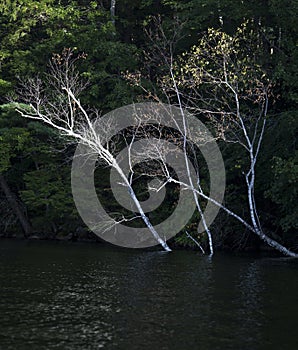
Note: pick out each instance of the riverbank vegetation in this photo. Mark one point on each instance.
(134, 51)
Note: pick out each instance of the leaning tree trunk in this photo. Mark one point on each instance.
(146, 220)
(15, 206)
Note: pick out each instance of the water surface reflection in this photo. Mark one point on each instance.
(66, 296)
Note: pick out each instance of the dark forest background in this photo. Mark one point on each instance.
(35, 162)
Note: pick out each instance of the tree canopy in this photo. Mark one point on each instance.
(35, 161)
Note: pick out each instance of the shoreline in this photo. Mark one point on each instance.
(260, 251)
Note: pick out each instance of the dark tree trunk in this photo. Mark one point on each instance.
(15, 206)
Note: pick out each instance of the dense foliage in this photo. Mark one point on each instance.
(35, 161)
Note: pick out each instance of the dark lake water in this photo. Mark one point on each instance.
(83, 296)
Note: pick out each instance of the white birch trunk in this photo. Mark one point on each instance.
(184, 135)
(146, 220)
(113, 10)
(88, 136)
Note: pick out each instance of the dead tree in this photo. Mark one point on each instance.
(54, 101)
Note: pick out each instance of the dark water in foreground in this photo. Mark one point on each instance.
(80, 296)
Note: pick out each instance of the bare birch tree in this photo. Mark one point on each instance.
(54, 101)
(221, 81)
(161, 54)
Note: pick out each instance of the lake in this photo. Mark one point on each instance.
(88, 296)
